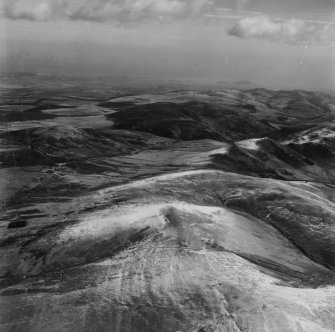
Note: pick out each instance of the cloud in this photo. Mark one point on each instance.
(240, 4)
(290, 31)
(122, 11)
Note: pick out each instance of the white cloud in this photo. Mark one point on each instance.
(240, 4)
(290, 31)
(122, 11)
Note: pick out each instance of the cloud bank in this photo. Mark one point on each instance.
(240, 4)
(122, 11)
(290, 31)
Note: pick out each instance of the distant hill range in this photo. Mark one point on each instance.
(239, 85)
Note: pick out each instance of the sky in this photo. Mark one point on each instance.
(275, 43)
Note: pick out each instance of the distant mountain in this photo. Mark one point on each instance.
(240, 85)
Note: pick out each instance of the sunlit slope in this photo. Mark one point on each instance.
(173, 257)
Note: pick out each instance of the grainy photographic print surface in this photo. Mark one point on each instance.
(167, 165)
